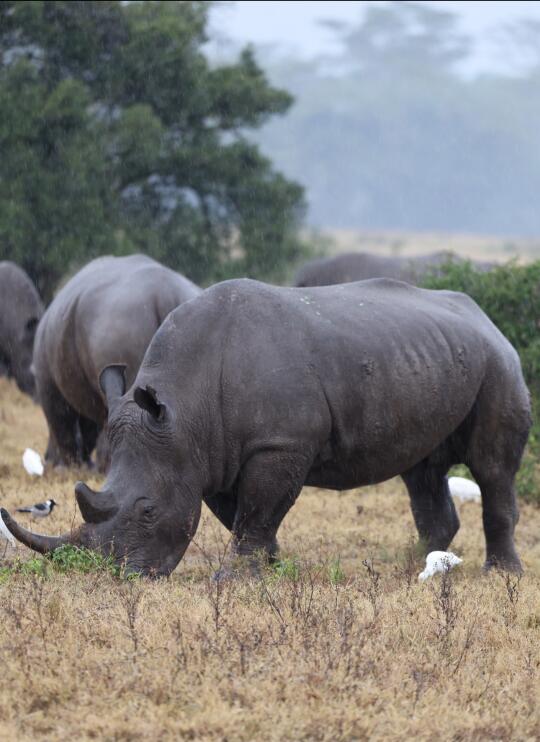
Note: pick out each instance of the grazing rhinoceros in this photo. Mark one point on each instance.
(107, 313)
(360, 266)
(250, 391)
(20, 312)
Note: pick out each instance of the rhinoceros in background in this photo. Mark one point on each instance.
(359, 266)
(106, 314)
(20, 312)
(250, 391)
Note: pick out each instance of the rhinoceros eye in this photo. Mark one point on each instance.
(149, 509)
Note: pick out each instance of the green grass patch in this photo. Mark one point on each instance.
(286, 568)
(65, 559)
(70, 558)
(336, 575)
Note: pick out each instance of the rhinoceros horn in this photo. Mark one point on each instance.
(42, 544)
(95, 507)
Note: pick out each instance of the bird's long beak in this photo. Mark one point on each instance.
(41, 544)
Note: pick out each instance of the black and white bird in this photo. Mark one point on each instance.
(40, 510)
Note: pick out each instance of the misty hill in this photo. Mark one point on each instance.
(391, 135)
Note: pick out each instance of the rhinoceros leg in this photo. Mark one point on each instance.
(224, 506)
(494, 454)
(267, 488)
(500, 515)
(64, 443)
(433, 509)
(103, 453)
(89, 435)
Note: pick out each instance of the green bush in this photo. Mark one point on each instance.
(510, 296)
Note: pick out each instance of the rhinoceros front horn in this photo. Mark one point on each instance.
(42, 544)
(95, 507)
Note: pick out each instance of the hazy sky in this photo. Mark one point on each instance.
(294, 25)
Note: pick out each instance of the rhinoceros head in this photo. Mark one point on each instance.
(148, 511)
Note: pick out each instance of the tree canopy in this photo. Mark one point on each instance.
(117, 134)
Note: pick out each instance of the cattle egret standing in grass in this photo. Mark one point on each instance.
(5, 535)
(464, 489)
(439, 561)
(32, 462)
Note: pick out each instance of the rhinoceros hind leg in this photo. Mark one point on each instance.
(500, 512)
(500, 515)
(432, 506)
(494, 454)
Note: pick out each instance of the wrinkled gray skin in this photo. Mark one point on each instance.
(106, 314)
(251, 391)
(360, 266)
(20, 312)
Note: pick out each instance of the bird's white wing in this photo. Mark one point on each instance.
(32, 462)
(439, 561)
(464, 489)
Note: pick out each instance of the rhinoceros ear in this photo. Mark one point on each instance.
(112, 382)
(147, 399)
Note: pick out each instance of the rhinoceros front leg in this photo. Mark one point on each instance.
(432, 506)
(63, 421)
(224, 506)
(103, 454)
(268, 486)
(89, 435)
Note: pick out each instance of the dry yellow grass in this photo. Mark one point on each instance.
(375, 655)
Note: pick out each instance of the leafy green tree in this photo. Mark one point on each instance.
(117, 134)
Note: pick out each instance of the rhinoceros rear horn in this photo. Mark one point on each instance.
(95, 507)
(112, 382)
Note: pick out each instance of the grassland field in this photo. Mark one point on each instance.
(472, 246)
(340, 642)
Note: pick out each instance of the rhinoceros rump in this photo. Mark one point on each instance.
(20, 312)
(107, 313)
(251, 391)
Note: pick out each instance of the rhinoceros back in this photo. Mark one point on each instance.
(107, 313)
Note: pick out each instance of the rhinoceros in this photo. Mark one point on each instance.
(360, 266)
(250, 392)
(20, 312)
(107, 313)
